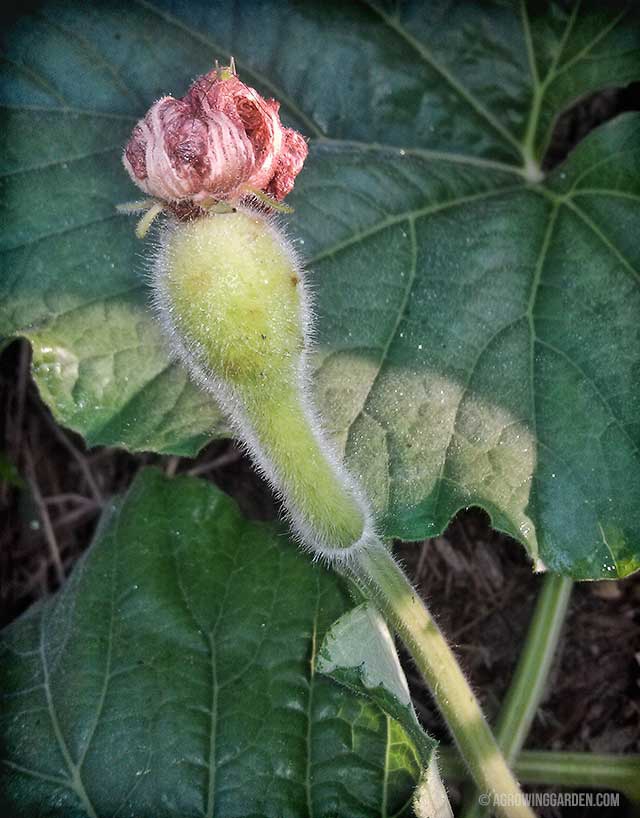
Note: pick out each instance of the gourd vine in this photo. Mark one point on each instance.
(232, 298)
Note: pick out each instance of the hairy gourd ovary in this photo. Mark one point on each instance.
(232, 297)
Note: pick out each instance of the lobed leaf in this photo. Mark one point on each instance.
(478, 325)
(175, 675)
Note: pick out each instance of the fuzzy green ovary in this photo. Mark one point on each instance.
(309, 481)
(235, 294)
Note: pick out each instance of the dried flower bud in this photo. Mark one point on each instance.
(221, 139)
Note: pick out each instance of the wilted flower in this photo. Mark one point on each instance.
(219, 142)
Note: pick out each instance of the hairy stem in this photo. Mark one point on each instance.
(381, 579)
(530, 677)
(302, 470)
(602, 771)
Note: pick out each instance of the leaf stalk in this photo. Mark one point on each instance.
(602, 771)
(381, 579)
(529, 680)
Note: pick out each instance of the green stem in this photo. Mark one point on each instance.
(529, 680)
(601, 771)
(377, 574)
(305, 475)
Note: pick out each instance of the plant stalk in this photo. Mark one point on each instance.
(530, 677)
(602, 771)
(381, 579)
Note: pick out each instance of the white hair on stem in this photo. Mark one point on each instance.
(365, 559)
(193, 357)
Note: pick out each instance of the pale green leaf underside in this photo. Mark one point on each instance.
(174, 675)
(359, 652)
(477, 335)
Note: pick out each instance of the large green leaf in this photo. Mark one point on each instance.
(174, 675)
(478, 330)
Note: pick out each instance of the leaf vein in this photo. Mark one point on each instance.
(535, 286)
(57, 162)
(584, 51)
(65, 231)
(425, 53)
(278, 93)
(95, 55)
(407, 215)
(442, 477)
(616, 420)
(603, 238)
(76, 783)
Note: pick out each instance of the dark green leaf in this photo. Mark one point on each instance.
(478, 330)
(358, 651)
(174, 675)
